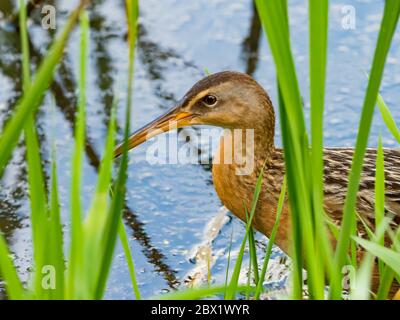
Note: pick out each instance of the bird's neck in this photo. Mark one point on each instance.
(245, 149)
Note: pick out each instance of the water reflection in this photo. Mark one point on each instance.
(169, 205)
(251, 43)
(156, 59)
(63, 89)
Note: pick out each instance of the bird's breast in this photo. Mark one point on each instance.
(236, 193)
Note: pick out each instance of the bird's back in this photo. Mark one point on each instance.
(337, 163)
(236, 191)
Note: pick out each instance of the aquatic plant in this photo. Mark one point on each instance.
(311, 246)
(93, 237)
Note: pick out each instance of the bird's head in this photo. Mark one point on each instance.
(226, 99)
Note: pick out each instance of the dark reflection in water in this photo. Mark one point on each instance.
(103, 61)
(168, 206)
(251, 43)
(154, 59)
(63, 89)
(30, 7)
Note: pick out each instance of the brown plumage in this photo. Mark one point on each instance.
(235, 101)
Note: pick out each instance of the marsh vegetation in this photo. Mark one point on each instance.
(127, 229)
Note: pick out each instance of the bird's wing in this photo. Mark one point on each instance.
(337, 166)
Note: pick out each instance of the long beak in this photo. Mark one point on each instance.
(173, 119)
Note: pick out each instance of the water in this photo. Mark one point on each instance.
(174, 217)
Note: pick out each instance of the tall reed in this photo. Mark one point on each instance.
(311, 248)
(94, 237)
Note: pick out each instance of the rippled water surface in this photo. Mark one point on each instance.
(174, 217)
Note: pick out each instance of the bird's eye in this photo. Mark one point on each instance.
(210, 100)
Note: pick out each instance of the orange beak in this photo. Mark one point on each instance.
(173, 119)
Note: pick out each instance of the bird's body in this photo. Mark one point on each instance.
(231, 189)
(235, 101)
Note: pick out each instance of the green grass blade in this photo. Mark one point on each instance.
(98, 214)
(385, 281)
(198, 293)
(253, 255)
(9, 273)
(37, 195)
(31, 99)
(390, 257)
(37, 191)
(380, 193)
(113, 221)
(132, 12)
(228, 264)
(318, 20)
(128, 256)
(273, 15)
(77, 239)
(369, 231)
(318, 28)
(232, 288)
(95, 219)
(388, 118)
(97, 226)
(297, 247)
(273, 19)
(271, 240)
(56, 249)
(388, 275)
(26, 76)
(388, 25)
(95, 223)
(363, 280)
(361, 290)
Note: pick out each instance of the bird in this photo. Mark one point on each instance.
(237, 102)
